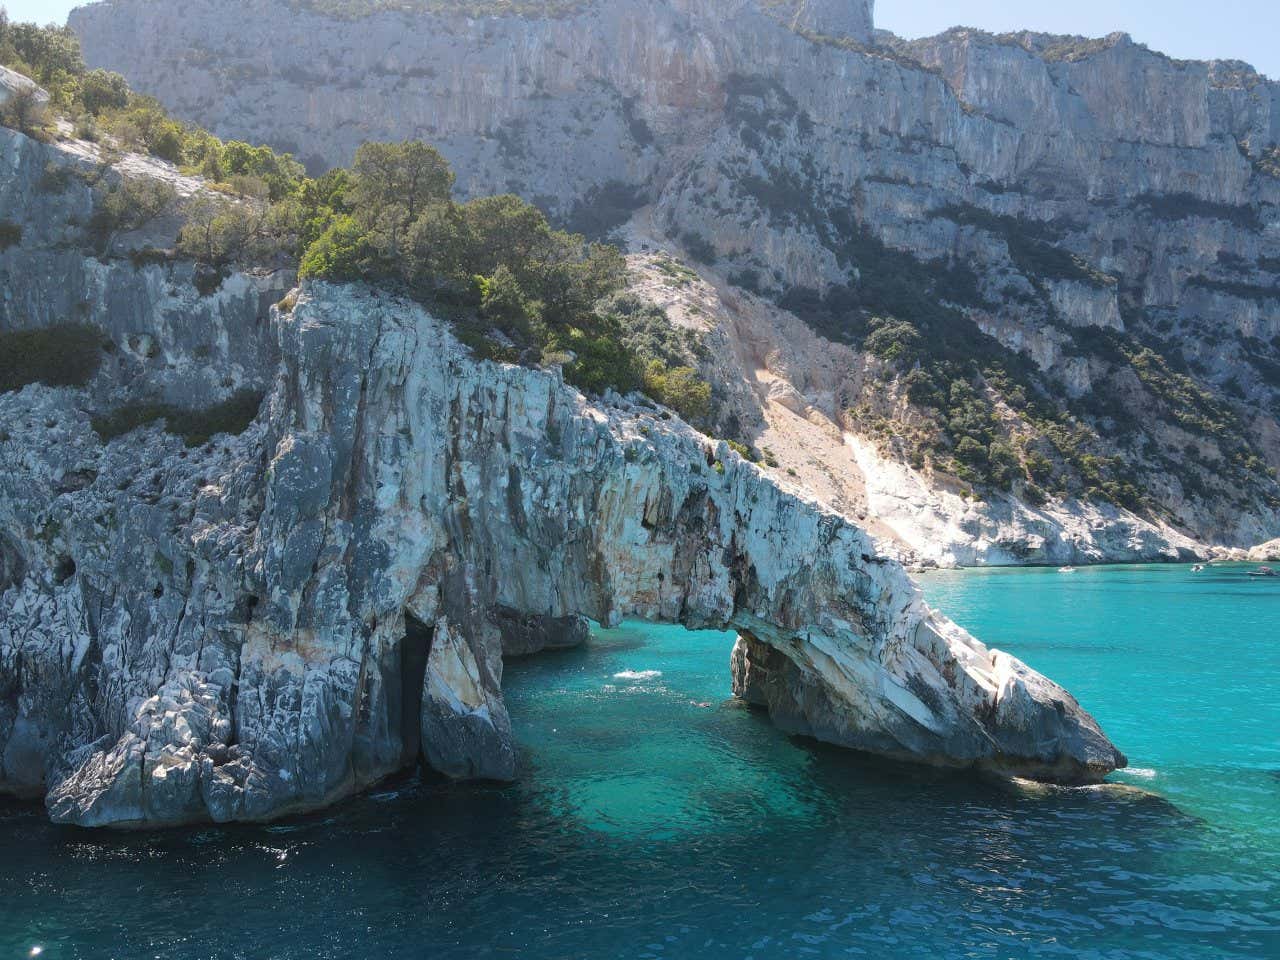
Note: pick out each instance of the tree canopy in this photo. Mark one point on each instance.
(518, 288)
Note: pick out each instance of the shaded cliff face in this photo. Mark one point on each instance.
(265, 622)
(1103, 214)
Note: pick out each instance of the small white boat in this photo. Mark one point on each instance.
(1198, 568)
(1066, 569)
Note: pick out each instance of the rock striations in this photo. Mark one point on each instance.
(267, 622)
(1088, 204)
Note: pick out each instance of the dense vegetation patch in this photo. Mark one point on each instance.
(1184, 206)
(604, 208)
(10, 235)
(102, 107)
(195, 427)
(520, 290)
(517, 289)
(1244, 291)
(62, 356)
(1034, 245)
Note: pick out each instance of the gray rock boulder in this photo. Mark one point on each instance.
(14, 85)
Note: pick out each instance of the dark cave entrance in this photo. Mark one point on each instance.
(414, 651)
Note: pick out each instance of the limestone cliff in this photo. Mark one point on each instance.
(1104, 215)
(265, 622)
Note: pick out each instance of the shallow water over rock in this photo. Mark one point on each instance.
(656, 817)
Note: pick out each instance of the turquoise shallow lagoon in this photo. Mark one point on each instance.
(656, 818)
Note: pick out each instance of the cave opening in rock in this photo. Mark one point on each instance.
(414, 651)
(64, 570)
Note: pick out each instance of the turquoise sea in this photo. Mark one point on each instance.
(656, 818)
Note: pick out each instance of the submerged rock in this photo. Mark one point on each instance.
(273, 621)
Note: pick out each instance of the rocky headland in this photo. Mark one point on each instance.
(243, 621)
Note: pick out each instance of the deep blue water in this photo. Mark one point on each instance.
(656, 818)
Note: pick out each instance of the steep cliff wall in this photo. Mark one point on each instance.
(1104, 214)
(264, 622)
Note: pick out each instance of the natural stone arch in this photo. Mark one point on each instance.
(399, 481)
(527, 500)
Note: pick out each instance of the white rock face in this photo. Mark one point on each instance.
(846, 19)
(1264, 552)
(947, 529)
(292, 614)
(14, 84)
(1092, 186)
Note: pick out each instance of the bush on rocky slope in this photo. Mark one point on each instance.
(518, 289)
(195, 427)
(10, 234)
(62, 356)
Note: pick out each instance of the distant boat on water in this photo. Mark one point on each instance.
(1198, 568)
(1264, 572)
(1066, 569)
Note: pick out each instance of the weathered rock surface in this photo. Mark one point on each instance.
(775, 373)
(276, 620)
(14, 84)
(1263, 552)
(784, 139)
(268, 622)
(523, 634)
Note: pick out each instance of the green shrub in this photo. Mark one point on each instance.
(207, 280)
(680, 389)
(55, 179)
(343, 252)
(195, 427)
(146, 127)
(22, 112)
(128, 205)
(102, 90)
(62, 356)
(604, 208)
(699, 247)
(10, 234)
(894, 341)
(600, 363)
